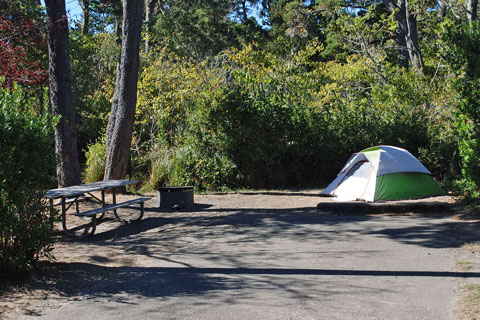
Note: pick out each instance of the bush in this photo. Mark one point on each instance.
(94, 82)
(95, 168)
(266, 121)
(296, 122)
(161, 164)
(463, 53)
(188, 165)
(26, 141)
(173, 129)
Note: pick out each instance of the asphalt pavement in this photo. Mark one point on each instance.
(269, 264)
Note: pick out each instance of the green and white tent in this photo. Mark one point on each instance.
(383, 173)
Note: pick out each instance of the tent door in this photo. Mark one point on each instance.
(355, 182)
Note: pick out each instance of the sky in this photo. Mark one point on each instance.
(74, 12)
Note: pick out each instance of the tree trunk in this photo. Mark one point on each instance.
(412, 40)
(472, 10)
(118, 30)
(85, 4)
(147, 23)
(122, 116)
(442, 9)
(408, 47)
(244, 11)
(66, 150)
(150, 11)
(402, 30)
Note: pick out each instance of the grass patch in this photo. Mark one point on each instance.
(469, 308)
(464, 265)
(473, 292)
(473, 247)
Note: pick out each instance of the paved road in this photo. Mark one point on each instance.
(268, 264)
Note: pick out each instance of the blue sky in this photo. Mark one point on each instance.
(74, 11)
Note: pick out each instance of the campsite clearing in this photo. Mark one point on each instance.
(259, 255)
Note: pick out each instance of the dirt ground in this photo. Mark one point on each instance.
(61, 280)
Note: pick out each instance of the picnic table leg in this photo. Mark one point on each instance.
(64, 216)
(142, 210)
(114, 201)
(51, 212)
(131, 215)
(89, 229)
(103, 204)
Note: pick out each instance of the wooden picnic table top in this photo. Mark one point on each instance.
(74, 191)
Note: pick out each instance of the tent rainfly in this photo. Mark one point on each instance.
(383, 173)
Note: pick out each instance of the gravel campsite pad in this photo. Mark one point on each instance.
(256, 255)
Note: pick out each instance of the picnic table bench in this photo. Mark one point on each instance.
(74, 194)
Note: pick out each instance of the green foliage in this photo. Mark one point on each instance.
(161, 168)
(293, 24)
(173, 129)
(195, 28)
(94, 60)
(269, 120)
(95, 167)
(464, 54)
(303, 122)
(26, 164)
(105, 14)
(190, 166)
(218, 111)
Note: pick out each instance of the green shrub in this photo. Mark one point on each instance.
(190, 166)
(95, 168)
(202, 167)
(161, 164)
(94, 82)
(287, 124)
(463, 53)
(263, 120)
(26, 168)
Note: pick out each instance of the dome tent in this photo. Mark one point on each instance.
(383, 173)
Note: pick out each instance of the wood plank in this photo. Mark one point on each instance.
(96, 211)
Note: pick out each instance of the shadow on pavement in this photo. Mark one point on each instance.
(299, 224)
(254, 223)
(161, 238)
(99, 281)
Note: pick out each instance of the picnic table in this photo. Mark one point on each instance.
(73, 194)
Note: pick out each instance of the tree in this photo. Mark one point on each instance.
(149, 13)
(104, 15)
(408, 47)
(122, 116)
(195, 28)
(248, 29)
(21, 43)
(411, 36)
(442, 8)
(294, 19)
(463, 54)
(66, 150)
(85, 5)
(472, 10)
